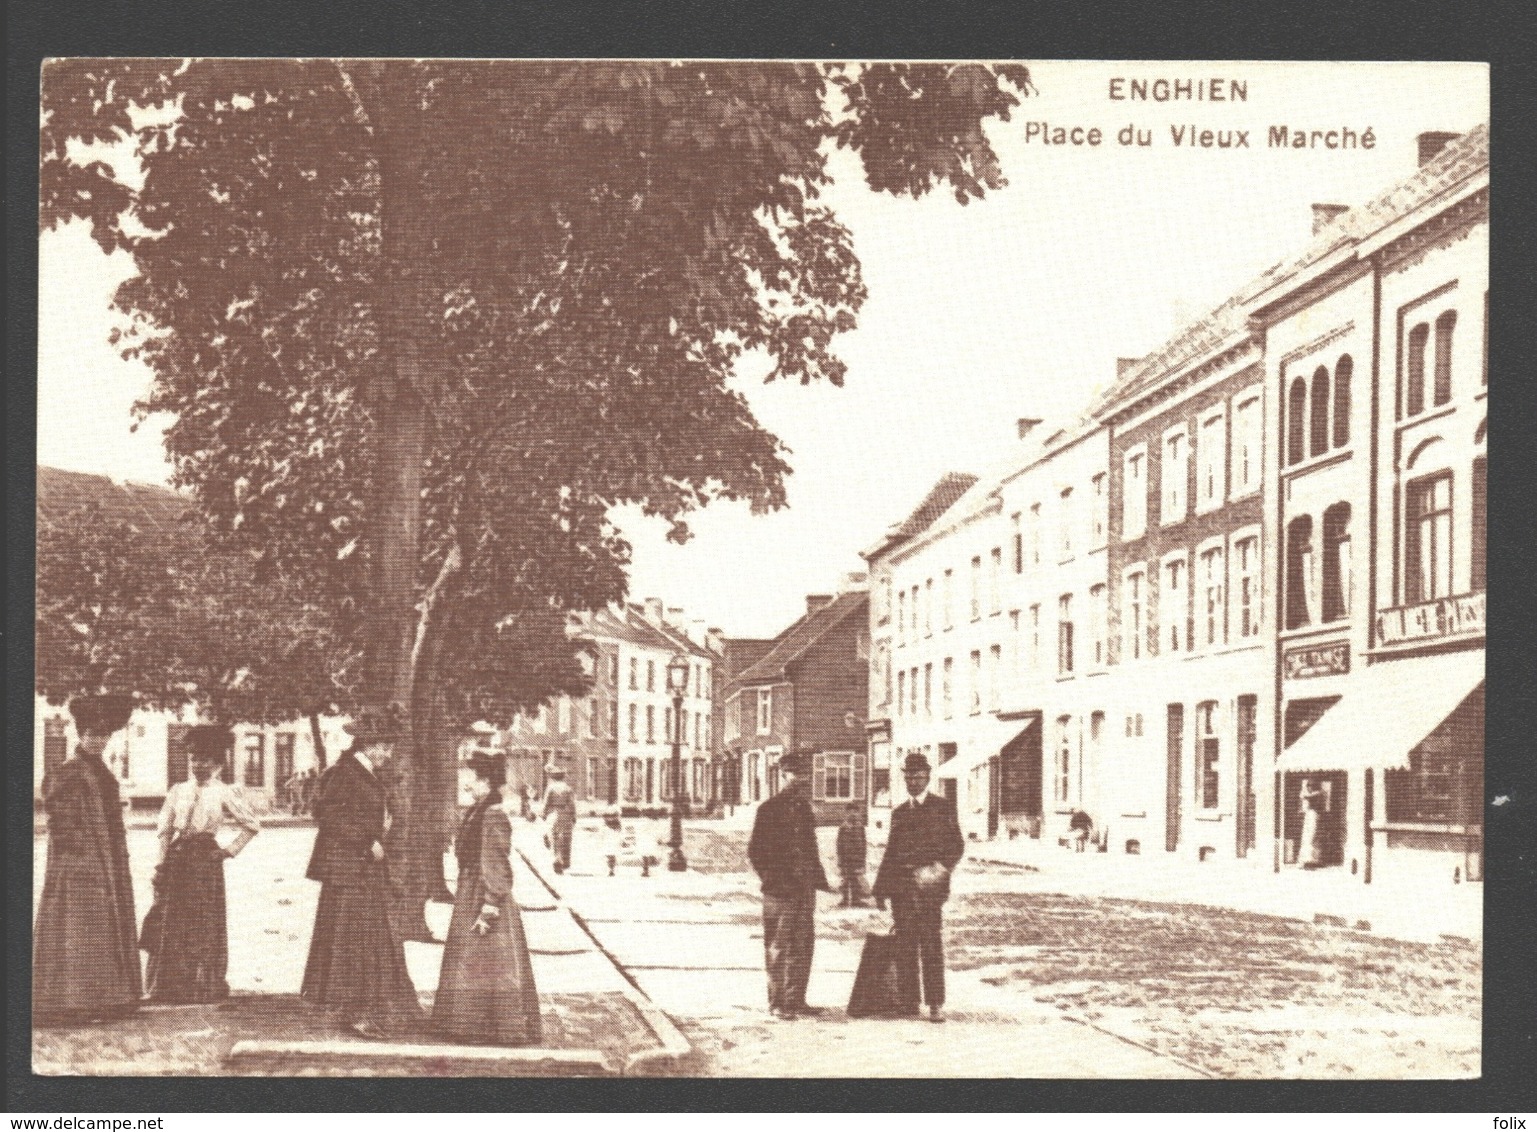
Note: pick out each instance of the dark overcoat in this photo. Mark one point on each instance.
(349, 811)
(783, 846)
(926, 834)
(85, 955)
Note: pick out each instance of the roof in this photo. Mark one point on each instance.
(1459, 160)
(144, 507)
(946, 491)
(632, 627)
(794, 642)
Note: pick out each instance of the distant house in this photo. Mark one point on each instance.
(807, 691)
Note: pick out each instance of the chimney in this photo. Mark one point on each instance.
(675, 616)
(1432, 142)
(1025, 424)
(815, 602)
(715, 640)
(1324, 215)
(1122, 365)
(654, 610)
(855, 581)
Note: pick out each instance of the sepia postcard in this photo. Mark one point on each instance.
(745, 569)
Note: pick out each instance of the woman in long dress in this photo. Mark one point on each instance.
(486, 991)
(188, 938)
(1313, 848)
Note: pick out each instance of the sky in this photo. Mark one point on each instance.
(1014, 306)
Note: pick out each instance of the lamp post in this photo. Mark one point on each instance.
(677, 684)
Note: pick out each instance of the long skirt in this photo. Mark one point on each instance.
(1313, 847)
(486, 992)
(189, 953)
(357, 962)
(85, 957)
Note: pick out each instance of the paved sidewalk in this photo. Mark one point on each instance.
(693, 943)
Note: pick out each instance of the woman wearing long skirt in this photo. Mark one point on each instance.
(186, 934)
(1314, 848)
(486, 991)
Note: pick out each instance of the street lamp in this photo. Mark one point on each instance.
(677, 684)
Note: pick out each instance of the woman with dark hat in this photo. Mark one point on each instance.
(357, 961)
(486, 992)
(186, 934)
(85, 954)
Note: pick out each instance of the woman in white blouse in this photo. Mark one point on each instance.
(185, 932)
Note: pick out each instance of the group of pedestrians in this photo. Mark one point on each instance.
(924, 846)
(86, 945)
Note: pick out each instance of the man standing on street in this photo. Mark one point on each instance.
(560, 811)
(924, 847)
(783, 852)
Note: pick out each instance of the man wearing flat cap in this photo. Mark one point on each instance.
(357, 962)
(559, 809)
(783, 852)
(924, 847)
(85, 954)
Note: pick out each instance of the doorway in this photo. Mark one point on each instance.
(1173, 774)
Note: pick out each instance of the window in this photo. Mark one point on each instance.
(901, 692)
(1445, 324)
(1019, 545)
(765, 711)
(1318, 420)
(945, 597)
(1428, 539)
(976, 682)
(1208, 754)
(1016, 654)
(1299, 570)
(928, 691)
(1175, 604)
(1336, 580)
(994, 667)
(613, 669)
(634, 726)
(651, 722)
(928, 608)
(1296, 413)
(254, 760)
(613, 719)
(1342, 373)
(1132, 620)
(1065, 635)
(976, 588)
(1211, 451)
(282, 758)
(832, 777)
(1248, 426)
(634, 674)
(1213, 605)
(1062, 765)
(1097, 625)
(914, 611)
(1444, 781)
(594, 718)
(1176, 476)
(1035, 534)
(947, 676)
(1065, 524)
(1477, 569)
(1246, 566)
(634, 780)
(1134, 494)
(563, 715)
(1096, 746)
(1097, 516)
(1413, 396)
(912, 688)
(650, 675)
(995, 582)
(1035, 638)
(902, 617)
(669, 733)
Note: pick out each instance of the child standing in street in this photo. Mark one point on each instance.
(852, 849)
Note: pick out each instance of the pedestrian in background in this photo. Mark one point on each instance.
(357, 962)
(486, 991)
(186, 932)
(85, 951)
(924, 847)
(559, 810)
(783, 852)
(853, 852)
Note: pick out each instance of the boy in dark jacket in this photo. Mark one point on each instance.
(852, 849)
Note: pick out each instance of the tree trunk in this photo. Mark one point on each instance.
(318, 740)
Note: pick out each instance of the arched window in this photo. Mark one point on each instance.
(1336, 580)
(1318, 431)
(1299, 560)
(1428, 538)
(1413, 399)
(1342, 373)
(1444, 327)
(1296, 411)
(1476, 572)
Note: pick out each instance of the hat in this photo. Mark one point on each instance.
(489, 766)
(795, 762)
(208, 742)
(916, 760)
(373, 725)
(101, 715)
(554, 770)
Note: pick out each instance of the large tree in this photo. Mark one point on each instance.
(430, 321)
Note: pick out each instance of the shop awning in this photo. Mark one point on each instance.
(1389, 709)
(990, 737)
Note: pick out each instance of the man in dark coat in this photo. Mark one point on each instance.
(924, 847)
(783, 852)
(85, 956)
(357, 963)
